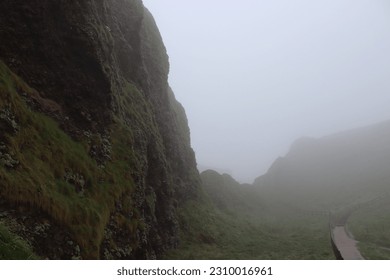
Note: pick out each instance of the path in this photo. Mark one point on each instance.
(346, 245)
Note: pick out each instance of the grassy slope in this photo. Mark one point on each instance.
(214, 232)
(371, 227)
(46, 154)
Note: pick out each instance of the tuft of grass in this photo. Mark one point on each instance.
(13, 247)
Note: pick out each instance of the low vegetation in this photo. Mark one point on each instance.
(247, 231)
(44, 168)
(370, 225)
(13, 247)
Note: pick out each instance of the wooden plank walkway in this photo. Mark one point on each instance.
(345, 244)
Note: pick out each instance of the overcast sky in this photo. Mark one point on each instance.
(254, 75)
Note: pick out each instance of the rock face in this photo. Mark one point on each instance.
(94, 145)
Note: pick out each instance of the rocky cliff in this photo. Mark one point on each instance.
(94, 149)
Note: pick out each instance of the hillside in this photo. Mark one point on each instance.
(371, 226)
(94, 149)
(341, 177)
(96, 160)
(332, 171)
(229, 221)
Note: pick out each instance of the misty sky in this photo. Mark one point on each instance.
(254, 75)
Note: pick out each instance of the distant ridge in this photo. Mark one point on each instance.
(333, 169)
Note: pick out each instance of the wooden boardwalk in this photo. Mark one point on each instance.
(345, 244)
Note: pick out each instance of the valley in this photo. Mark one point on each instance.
(96, 160)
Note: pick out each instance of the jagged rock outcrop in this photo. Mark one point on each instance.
(99, 147)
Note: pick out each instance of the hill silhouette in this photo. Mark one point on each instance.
(331, 171)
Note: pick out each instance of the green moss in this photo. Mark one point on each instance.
(13, 247)
(45, 154)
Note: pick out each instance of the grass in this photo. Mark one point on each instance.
(233, 237)
(46, 153)
(210, 230)
(371, 227)
(233, 228)
(373, 252)
(13, 247)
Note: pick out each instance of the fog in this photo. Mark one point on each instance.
(255, 75)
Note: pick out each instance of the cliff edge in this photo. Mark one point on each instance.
(95, 152)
